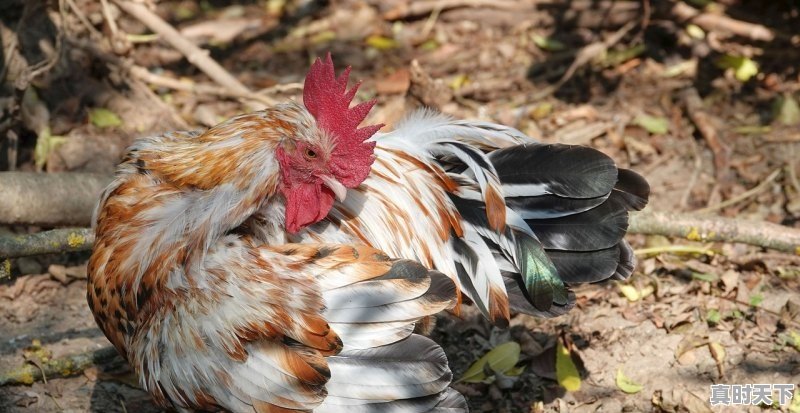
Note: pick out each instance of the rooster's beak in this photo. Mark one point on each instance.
(338, 189)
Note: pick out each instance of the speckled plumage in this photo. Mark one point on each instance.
(229, 278)
(216, 313)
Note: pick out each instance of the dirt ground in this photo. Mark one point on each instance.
(661, 100)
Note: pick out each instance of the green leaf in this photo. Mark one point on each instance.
(752, 129)
(547, 43)
(756, 300)
(429, 45)
(104, 118)
(381, 42)
(683, 68)
(541, 111)
(713, 316)
(794, 339)
(325, 36)
(45, 143)
(794, 405)
(459, 81)
(695, 31)
(704, 277)
(654, 124)
(515, 372)
(630, 292)
(566, 372)
(626, 384)
(501, 359)
(617, 57)
(744, 68)
(786, 110)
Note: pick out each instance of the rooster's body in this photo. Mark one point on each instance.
(228, 277)
(435, 195)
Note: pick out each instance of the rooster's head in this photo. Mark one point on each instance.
(320, 165)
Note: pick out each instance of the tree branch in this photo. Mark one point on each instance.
(69, 198)
(55, 199)
(46, 242)
(715, 22)
(195, 55)
(67, 366)
(717, 229)
(702, 228)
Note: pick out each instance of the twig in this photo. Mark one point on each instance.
(197, 88)
(701, 119)
(679, 249)
(717, 229)
(112, 25)
(713, 22)
(46, 242)
(418, 8)
(193, 54)
(146, 76)
(646, 14)
(583, 56)
(765, 256)
(759, 308)
(790, 168)
(61, 367)
(13, 144)
(744, 195)
(49, 199)
(431, 22)
(82, 17)
(698, 168)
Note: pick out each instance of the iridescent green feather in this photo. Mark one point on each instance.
(539, 274)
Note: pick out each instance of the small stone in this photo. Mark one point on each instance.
(28, 265)
(58, 272)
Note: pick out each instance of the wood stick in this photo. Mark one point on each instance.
(67, 366)
(141, 73)
(716, 229)
(697, 113)
(195, 55)
(688, 226)
(55, 199)
(714, 22)
(46, 242)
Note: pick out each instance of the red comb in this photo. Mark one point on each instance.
(327, 99)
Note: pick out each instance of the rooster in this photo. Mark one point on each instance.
(281, 260)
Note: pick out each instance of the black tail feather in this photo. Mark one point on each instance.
(633, 188)
(519, 300)
(575, 202)
(598, 228)
(556, 169)
(577, 267)
(581, 219)
(627, 262)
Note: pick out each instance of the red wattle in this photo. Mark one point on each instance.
(306, 204)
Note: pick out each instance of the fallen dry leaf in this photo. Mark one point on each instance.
(397, 82)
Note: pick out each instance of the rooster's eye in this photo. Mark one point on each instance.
(310, 154)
